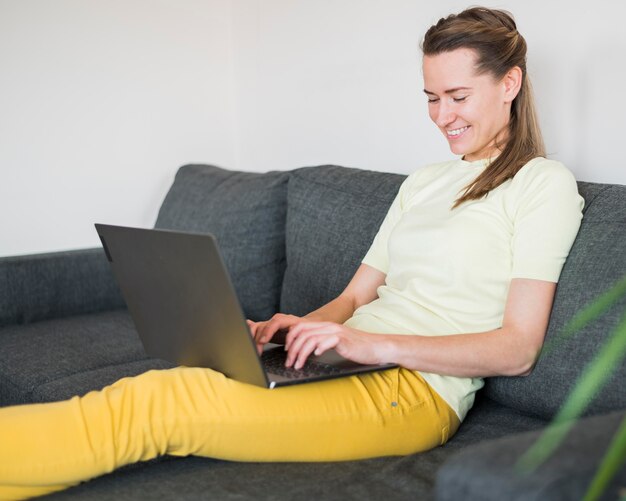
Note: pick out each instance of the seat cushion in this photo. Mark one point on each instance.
(333, 215)
(487, 471)
(56, 359)
(596, 262)
(246, 213)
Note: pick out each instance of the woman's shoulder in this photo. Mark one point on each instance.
(541, 169)
(543, 178)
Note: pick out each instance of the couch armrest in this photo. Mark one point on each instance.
(486, 471)
(53, 285)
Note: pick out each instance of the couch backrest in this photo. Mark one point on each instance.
(333, 215)
(596, 261)
(327, 216)
(246, 212)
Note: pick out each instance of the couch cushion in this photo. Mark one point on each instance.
(56, 284)
(246, 213)
(83, 382)
(56, 359)
(596, 262)
(333, 215)
(487, 471)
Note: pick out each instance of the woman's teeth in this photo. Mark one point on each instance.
(456, 132)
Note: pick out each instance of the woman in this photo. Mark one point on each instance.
(457, 285)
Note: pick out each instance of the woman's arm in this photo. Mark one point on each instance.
(510, 350)
(361, 290)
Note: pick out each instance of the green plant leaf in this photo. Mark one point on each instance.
(543, 448)
(613, 459)
(590, 382)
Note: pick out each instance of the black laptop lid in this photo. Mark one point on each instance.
(181, 299)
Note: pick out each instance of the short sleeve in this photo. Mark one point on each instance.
(547, 217)
(378, 254)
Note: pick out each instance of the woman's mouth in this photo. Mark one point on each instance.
(456, 133)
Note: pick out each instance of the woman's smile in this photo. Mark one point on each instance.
(454, 134)
(470, 108)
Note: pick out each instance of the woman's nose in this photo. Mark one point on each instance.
(444, 115)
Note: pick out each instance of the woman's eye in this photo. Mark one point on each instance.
(433, 100)
(460, 99)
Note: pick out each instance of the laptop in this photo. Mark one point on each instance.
(186, 311)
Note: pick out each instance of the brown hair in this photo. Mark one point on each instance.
(493, 35)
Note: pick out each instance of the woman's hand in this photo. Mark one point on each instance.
(361, 290)
(273, 329)
(307, 337)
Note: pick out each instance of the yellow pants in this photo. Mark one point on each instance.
(49, 447)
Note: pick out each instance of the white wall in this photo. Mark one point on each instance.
(340, 82)
(102, 100)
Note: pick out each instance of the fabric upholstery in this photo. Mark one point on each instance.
(487, 471)
(60, 358)
(83, 382)
(246, 213)
(597, 261)
(333, 215)
(54, 285)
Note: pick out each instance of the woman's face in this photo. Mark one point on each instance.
(470, 110)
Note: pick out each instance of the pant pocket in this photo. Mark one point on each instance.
(393, 376)
(384, 389)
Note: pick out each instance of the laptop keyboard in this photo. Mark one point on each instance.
(274, 362)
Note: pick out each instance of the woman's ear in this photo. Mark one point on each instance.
(512, 82)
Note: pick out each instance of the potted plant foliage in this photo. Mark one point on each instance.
(592, 379)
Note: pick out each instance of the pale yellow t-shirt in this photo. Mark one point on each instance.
(448, 271)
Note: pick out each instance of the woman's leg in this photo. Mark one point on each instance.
(183, 411)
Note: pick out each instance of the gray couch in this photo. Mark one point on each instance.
(291, 241)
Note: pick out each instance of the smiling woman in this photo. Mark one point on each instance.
(474, 117)
(476, 78)
(456, 286)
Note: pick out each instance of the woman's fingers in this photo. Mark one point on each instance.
(308, 337)
(327, 343)
(299, 333)
(305, 337)
(292, 328)
(303, 327)
(265, 331)
(316, 344)
(252, 326)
